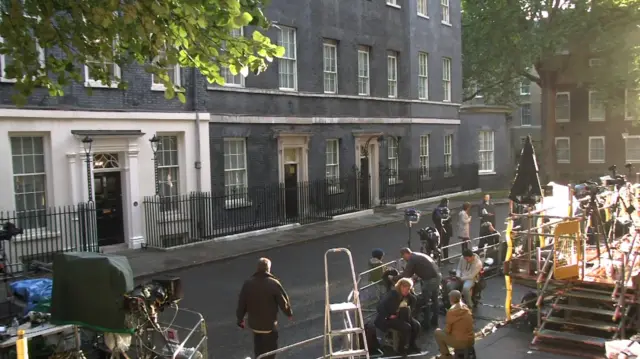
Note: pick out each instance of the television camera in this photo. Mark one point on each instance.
(150, 298)
(9, 230)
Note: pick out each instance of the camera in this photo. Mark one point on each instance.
(155, 295)
(9, 230)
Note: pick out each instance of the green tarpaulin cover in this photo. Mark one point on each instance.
(88, 290)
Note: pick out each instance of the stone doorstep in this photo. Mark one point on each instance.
(148, 262)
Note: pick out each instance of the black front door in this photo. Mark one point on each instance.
(291, 190)
(108, 193)
(365, 192)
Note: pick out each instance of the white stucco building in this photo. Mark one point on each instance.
(46, 171)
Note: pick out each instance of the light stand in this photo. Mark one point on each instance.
(155, 143)
(86, 143)
(411, 217)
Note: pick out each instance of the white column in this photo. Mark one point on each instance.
(133, 209)
(73, 178)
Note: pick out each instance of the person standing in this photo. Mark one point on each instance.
(441, 218)
(260, 298)
(464, 220)
(487, 210)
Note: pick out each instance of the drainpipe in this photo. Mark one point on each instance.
(194, 107)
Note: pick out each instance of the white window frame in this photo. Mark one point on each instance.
(226, 73)
(558, 139)
(628, 114)
(448, 154)
(522, 106)
(393, 159)
(446, 14)
(172, 204)
(176, 78)
(423, 8)
(117, 72)
(393, 3)
(4, 78)
(425, 172)
(489, 151)
(288, 58)
(596, 119)
(332, 169)
(242, 199)
(525, 91)
(563, 120)
(423, 76)
(604, 149)
(392, 75)
(330, 66)
(626, 149)
(446, 79)
(40, 214)
(364, 72)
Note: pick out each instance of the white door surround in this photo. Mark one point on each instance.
(370, 140)
(300, 143)
(126, 146)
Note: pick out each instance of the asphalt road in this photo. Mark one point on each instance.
(213, 289)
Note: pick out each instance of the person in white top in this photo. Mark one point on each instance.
(464, 220)
(468, 270)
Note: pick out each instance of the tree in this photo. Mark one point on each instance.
(505, 40)
(155, 34)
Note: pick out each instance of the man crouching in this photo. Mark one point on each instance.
(458, 333)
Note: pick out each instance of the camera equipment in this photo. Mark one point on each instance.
(8, 231)
(154, 296)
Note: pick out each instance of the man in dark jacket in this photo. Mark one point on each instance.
(487, 210)
(441, 218)
(260, 298)
(423, 266)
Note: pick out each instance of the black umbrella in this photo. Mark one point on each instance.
(526, 187)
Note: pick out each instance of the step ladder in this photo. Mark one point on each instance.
(353, 328)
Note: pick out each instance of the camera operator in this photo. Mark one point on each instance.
(441, 217)
(261, 297)
(487, 210)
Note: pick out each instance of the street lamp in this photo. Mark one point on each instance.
(86, 143)
(155, 143)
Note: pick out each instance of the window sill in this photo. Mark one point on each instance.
(335, 191)
(9, 81)
(447, 101)
(425, 178)
(363, 94)
(330, 92)
(35, 234)
(449, 174)
(564, 162)
(423, 16)
(629, 118)
(171, 216)
(393, 182)
(596, 120)
(561, 120)
(445, 23)
(158, 88)
(486, 173)
(394, 6)
(98, 84)
(392, 96)
(525, 125)
(596, 161)
(287, 90)
(237, 203)
(215, 87)
(423, 99)
(525, 94)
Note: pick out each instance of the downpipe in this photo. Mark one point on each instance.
(194, 108)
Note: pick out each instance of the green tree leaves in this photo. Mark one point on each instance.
(155, 34)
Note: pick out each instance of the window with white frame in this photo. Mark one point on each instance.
(110, 67)
(235, 170)
(596, 149)
(563, 107)
(173, 72)
(424, 156)
(392, 74)
(444, 6)
(392, 155)
(29, 181)
(6, 60)
(423, 8)
(448, 154)
(333, 163)
(563, 150)
(168, 172)
(486, 152)
(392, 2)
(423, 76)
(446, 79)
(525, 87)
(596, 106)
(632, 149)
(330, 52)
(287, 64)
(363, 70)
(630, 104)
(230, 79)
(525, 114)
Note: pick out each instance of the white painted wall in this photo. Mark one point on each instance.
(65, 159)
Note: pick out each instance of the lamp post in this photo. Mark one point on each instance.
(86, 143)
(155, 142)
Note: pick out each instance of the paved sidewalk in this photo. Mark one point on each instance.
(146, 262)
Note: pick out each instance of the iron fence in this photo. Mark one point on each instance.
(413, 184)
(48, 231)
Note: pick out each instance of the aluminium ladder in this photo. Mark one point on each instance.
(350, 331)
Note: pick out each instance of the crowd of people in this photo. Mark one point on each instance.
(263, 296)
